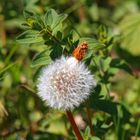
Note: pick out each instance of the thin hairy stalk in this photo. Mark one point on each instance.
(74, 126)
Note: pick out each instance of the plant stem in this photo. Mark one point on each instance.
(74, 126)
(90, 122)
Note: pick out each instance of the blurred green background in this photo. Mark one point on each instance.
(22, 114)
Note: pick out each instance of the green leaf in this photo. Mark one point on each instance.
(53, 20)
(59, 20)
(27, 14)
(29, 37)
(36, 74)
(112, 71)
(41, 59)
(111, 108)
(88, 58)
(130, 32)
(105, 63)
(56, 51)
(30, 40)
(95, 138)
(49, 17)
(28, 34)
(105, 105)
(87, 133)
(119, 63)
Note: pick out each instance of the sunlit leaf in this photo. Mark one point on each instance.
(42, 58)
(130, 31)
(53, 20)
(30, 40)
(29, 36)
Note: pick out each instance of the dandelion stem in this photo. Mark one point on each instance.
(89, 115)
(74, 126)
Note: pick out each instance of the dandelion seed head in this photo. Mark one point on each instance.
(65, 83)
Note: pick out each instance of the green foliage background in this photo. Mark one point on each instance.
(33, 34)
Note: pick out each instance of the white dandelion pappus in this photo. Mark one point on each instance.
(65, 83)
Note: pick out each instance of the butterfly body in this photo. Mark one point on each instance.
(80, 51)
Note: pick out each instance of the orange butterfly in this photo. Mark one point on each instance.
(80, 51)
